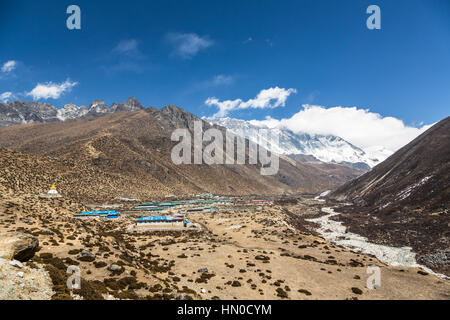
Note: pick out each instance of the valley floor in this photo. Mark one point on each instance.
(241, 252)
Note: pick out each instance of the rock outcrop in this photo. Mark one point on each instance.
(18, 246)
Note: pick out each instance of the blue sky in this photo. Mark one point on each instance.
(184, 52)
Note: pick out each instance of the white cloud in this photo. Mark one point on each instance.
(9, 66)
(126, 45)
(268, 98)
(365, 129)
(51, 90)
(5, 96)
(187, 45)
(129, 48)
(222, 79)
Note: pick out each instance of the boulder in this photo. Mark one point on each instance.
(86, 255)
(18, 246)
(16, 263)
(114, 268)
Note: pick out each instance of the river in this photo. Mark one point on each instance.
(335, 232)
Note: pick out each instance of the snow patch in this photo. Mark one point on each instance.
(323, 194)
(407, 192)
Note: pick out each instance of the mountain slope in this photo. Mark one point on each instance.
(326, 148)
(416, 175)
(129, 153)
(406, 199)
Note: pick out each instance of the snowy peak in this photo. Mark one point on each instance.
(130, 105)
(71, 111)
(21, 112)
(326, 148)
(98, 106)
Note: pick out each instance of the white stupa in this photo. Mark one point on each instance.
(53, 190)
(52, 193)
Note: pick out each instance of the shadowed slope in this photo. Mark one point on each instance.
(405, 200)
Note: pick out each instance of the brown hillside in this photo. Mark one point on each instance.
(405, 200)
(129, 153)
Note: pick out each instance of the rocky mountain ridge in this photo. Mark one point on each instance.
(22, 112)
(130, 153)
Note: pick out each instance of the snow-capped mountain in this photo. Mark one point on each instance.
(303, 147)
(130, 105)
(98, 106)
(71, 111)
(326, 148)
(21, 112)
